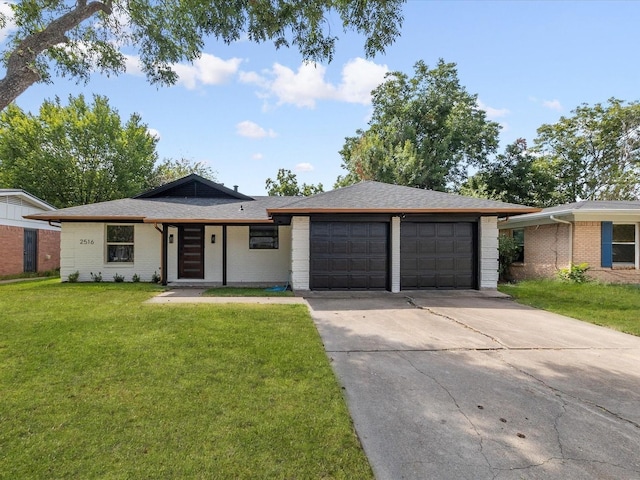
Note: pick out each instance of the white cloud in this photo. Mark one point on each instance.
(307, 85)
(257, 156)
(154, 133)
(553, 105)
(206, 70)
(493, 113)
(132, 65)
(10, 26)
(303, 167)
(359, 77)
(253, 130)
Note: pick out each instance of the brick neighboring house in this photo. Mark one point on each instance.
(603, 234)
(27, 245)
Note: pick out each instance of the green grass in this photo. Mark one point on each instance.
(244, 292)
(47, 274)
(613, 306)
(93, 384)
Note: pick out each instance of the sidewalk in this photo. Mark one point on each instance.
(194, 295)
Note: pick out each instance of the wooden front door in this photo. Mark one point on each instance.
(191, 251)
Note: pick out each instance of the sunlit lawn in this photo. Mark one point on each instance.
(94, 384)
(613, 306)
(246, 292)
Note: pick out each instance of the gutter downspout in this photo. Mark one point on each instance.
(570, 236)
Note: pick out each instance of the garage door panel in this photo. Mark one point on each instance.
(437, 255)
(423, 229)
(356, 257)
(378, 247)
(444, 247)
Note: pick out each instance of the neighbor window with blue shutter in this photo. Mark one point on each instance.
(618, 244)
(623, 244)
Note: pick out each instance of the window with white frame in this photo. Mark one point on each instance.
(518, 236)
(120, 243)
(263, 237)
(623, 244)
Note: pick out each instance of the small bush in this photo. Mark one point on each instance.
(96, 277)
(508, 250)
(155, 278)
(135, 278)
(118, 278)
(73, 277)
(574, 274)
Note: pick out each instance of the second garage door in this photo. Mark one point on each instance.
(349, 255)
(437, 255)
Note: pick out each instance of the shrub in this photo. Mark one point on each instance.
(96, 277)
(574, 274)
(135, 278)
(118, 278)
(508, 250)
(155, 278)
(73, 277)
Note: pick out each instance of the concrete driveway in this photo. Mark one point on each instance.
(470, 387)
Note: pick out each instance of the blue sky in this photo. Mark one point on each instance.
(247, 110)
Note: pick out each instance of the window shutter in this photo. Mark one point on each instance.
(606, 255)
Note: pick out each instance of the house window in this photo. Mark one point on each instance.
(119, 243)
(518, 235)
(263, 237)
(623, 244)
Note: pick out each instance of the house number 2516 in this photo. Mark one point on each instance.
(86, 241)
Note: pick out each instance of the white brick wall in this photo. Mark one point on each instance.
(395, 254)
(488, 239)
(300, 253)
(83, 249)
(257, 266)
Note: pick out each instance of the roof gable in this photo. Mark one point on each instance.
(193, 186)
(18, 196)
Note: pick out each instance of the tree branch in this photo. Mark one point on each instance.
(21, 71)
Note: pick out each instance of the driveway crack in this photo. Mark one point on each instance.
(412, 302)
(561, 393)
(457, 405)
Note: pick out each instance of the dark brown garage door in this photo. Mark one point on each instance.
(349, 255)
(437, 255)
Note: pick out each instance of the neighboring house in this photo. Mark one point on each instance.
(603, 234)
(27, 245)
(368, 236)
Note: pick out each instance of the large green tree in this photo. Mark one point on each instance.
(170, 169)
(515, 176)
(425, 132)
(77, 37)
(286, 185)
(75, 154)
(595, 152)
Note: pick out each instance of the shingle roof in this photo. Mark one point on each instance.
(206, 210)
(382, 197)
(363, 197)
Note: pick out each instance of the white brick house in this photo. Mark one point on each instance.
(368, 236)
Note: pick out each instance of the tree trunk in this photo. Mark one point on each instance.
(21, 70)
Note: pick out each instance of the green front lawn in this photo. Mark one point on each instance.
(93, 384)
(245, 292)
(613, 306)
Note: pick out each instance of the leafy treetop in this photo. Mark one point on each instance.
(78, 37)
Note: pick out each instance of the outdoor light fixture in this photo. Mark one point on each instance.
(213, 238)
(171, 238)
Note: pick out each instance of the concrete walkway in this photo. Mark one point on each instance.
(194, 295)
(465, 387)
